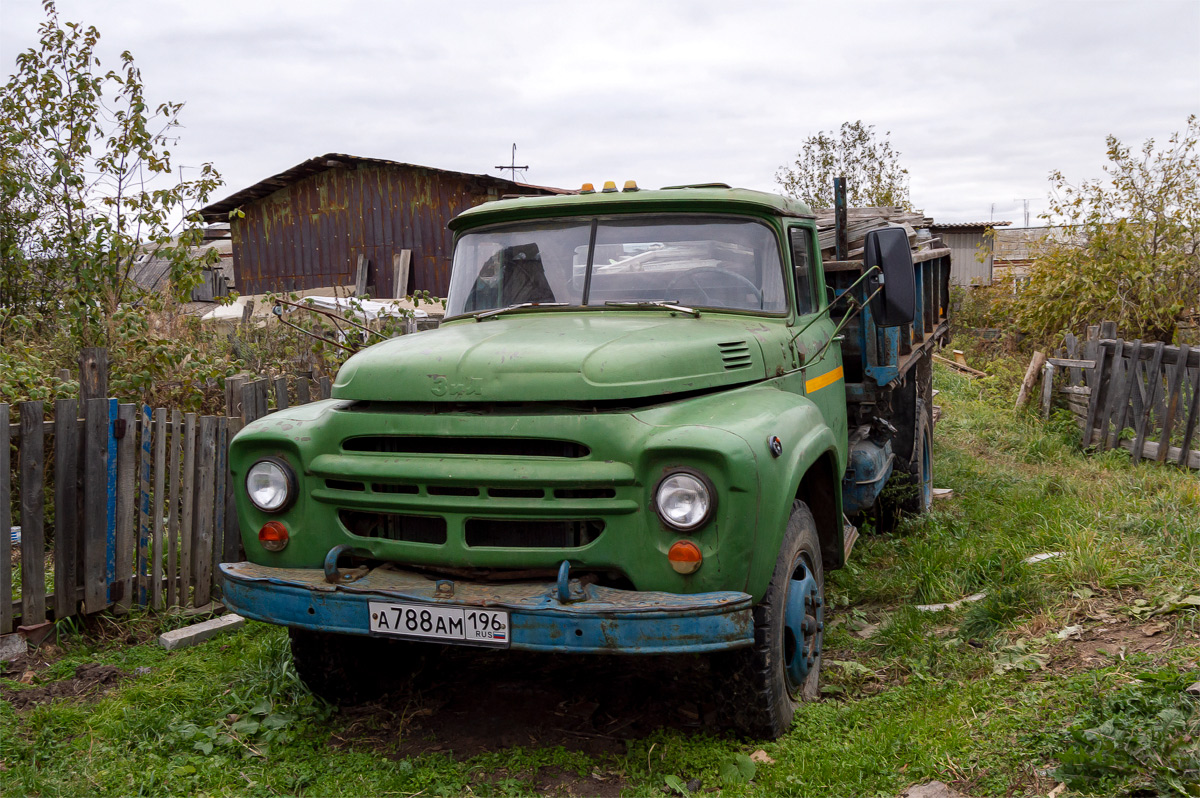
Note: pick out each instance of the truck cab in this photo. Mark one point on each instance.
(632, 434)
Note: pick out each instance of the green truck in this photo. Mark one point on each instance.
(642, 428)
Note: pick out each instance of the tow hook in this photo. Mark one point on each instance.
(338, 576)
(563, 588)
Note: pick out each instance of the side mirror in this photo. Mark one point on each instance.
(888, 249)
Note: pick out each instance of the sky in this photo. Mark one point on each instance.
(981, 99)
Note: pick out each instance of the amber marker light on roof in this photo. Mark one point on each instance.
(685, 557)
(631, 185)
(587, 188)
(610, 186)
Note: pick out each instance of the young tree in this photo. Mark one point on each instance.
(88, 185)
(1130, 252)
(871, 167)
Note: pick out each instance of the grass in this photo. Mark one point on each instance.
(998, 697)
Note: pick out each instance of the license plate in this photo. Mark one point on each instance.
(431, 622)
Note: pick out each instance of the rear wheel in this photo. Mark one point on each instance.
(765, 684)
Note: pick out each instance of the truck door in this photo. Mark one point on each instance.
(820, 375)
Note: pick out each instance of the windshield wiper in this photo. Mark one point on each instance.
(666, 304)
(487, 314)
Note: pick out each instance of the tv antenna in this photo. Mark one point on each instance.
(1025, 200)
(512, 166)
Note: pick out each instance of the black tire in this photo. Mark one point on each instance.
(917, 473)
(760, 687)
(351, 669)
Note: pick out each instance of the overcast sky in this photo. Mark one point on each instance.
(982, 99)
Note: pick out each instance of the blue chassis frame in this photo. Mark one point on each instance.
(709, 622)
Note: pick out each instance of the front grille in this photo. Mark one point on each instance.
(495, 447)
(532, 534)
(735, 355)
(585, 493)
(392, 526)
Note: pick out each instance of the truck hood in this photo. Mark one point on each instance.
(552, 356)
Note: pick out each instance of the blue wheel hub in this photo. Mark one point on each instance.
(803, 625)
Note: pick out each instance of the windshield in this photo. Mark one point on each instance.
(705, 262)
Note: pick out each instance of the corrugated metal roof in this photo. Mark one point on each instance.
(219, 211)
(968, 225)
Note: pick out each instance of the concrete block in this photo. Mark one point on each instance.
(11, 647)
(198, 633)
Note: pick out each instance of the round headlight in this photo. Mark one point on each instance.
(271, 485)
(684, 500)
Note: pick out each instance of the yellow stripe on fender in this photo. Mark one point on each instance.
(828, 378)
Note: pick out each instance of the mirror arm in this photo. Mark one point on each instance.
(841, 325)
(846, 293)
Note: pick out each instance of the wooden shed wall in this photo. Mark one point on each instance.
(310, 233)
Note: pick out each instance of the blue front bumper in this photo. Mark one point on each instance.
(596, 619)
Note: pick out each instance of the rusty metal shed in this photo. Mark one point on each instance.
(306, 227)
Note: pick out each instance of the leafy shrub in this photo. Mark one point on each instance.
(1146, 736)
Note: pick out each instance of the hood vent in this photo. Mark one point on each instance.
(735, 355)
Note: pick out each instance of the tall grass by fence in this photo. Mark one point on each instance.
(1140, 396)
(120, 505)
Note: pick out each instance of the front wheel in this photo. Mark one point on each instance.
(765, 684)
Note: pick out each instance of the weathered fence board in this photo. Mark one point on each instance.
(6, 605)
(32, 496)
(174, 455)
(126, 516)
(1150, 388)
(142, 500)
(66, 508)
(143, 547)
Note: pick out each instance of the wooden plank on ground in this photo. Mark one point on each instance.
(6, 608)
(206, 445)
(160, 506)
(187, 509)
(142, 573)
(1190, 459)
(1175, 383)
(95, 505)
(174, 455)
(33, 509)
(66, 509)
(1153, 383)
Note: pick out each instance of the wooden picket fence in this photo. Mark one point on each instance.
(141, 497)
(1141, 396)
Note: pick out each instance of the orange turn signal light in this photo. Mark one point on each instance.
(610, 186)
(685, 557)
(587, 188)
(273, 536)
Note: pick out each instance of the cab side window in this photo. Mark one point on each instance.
(802, 264)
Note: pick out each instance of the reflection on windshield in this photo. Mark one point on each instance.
(696, 261)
